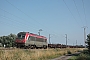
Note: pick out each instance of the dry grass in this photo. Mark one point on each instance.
(38, 54)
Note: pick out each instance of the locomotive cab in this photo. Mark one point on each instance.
(20, 40)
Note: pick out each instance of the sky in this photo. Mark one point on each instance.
(54, 17)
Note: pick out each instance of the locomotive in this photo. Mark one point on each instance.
(30, 40)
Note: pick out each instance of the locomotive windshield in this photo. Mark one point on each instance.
(21, 36)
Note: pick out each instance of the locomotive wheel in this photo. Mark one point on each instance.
(45, 47)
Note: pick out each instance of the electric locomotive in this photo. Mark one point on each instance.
(30, 40)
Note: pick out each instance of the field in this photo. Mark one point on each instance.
(35, 54)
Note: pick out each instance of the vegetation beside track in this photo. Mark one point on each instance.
(85, 55)
(34, 54)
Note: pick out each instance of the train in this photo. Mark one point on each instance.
(30, 40)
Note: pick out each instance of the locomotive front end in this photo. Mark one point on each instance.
(20, 40)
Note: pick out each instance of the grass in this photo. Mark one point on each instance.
(83, 56)
(34, 54)
(80, 57)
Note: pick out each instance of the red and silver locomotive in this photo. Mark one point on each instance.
(30, 40)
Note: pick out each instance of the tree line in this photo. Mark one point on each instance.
(8, 41)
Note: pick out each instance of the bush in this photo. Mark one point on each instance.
(88, 42)
(83, 57)
(68, 52)
(85, 52)
(64, 53)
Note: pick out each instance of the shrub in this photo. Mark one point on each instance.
(68, 52)
(83, 57)
(64, 53)
(88, 42)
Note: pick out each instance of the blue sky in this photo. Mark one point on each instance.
(55, 17)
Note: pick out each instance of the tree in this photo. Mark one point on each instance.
(1, 41)
(88, 42)
(9, 40)
(12, 38)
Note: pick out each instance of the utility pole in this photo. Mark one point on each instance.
(66, 40)
(73, 45)
(84, 35)
(76, 43)
(49, 39)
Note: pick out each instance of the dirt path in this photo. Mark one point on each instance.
(66, 56)
(62, 58)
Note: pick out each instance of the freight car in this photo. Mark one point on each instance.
(64, 46)
(56, 46)
(30, 40)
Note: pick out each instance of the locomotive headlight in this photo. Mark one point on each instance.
(23, 41)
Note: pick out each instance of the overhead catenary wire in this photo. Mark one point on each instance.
(84, 12)
(71, 12)
(13, 20)
(78, 12)
(27, 15)
(19, 22)
(11, 24)
(15, 16)
(7, 24)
